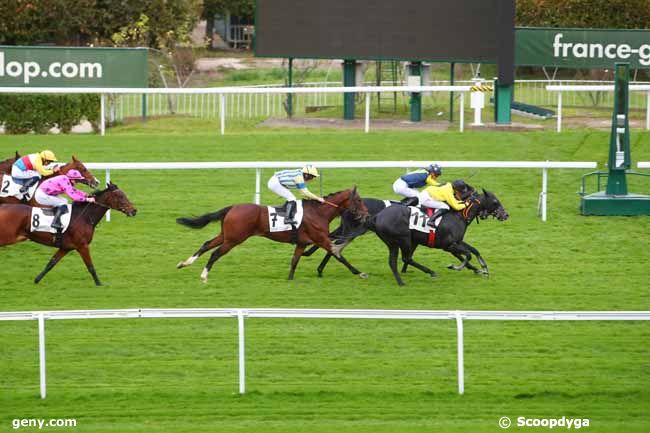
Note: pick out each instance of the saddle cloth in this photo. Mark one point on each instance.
(418, 220)
(42, 220)
(9, 188)
(277, 214)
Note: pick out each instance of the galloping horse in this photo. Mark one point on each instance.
(392, 227)
(89, 179)
(239, 222)
(16, 221)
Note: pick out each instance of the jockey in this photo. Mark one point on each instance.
(29, 169)
(440, 198)
(47, 193)
(282, 181)
(405, 185)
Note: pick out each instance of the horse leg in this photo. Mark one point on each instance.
(406, 265)
(407, 258)
(207, 245)
(84, 252)
(310, 251)
(227, 245)
(295, 259)
(393, 251)
(484, 267)
(53, 261)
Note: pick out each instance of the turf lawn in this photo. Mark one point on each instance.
(331, 375)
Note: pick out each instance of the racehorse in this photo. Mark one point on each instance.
(5, 166)
(89, 179)
(239, 222)
(392, 227)
(16, 222)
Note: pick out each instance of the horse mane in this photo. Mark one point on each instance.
(110, 187)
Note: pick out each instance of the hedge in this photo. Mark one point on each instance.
(21, 114)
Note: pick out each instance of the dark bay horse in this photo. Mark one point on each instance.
(89, 179)
(15, 223)
(392, 227)
(239, 222)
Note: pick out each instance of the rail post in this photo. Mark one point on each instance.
(367, 112)
(108, 180)
(222, 112)
(41, 353)
(242, 352)
(258, 182)
(559, 112)
(460, 351)
(102, 114)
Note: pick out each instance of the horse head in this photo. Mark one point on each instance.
(89, 179)
(113, 198)
(354, 204)
(490, 205)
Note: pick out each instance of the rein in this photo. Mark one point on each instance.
(331, 204)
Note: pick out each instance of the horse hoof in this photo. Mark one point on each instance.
(363, 276)
(204, 276)
(450, 266)
(433, 275)
(180, 265)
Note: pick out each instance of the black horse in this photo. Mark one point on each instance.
(351, 228)
(392, 227)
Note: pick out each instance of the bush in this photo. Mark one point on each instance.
(21, 114)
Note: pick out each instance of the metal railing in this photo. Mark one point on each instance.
(259, 165)
(243, 313)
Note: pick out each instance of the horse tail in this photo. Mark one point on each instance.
(204, 220)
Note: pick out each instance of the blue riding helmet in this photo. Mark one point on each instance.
(434, 169)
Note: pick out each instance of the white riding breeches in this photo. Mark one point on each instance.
(401, 187)
(49, 200)
(26, 174)
(426, 200)
(275, 186)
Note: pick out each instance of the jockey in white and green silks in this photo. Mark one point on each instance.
(283, 181)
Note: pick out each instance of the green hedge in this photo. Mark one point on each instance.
(21, 114)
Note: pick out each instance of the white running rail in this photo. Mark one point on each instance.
(223, 91)
(259, 165)
(285, 313)
(643, 164)
(597, 88)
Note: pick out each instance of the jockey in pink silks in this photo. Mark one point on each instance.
(48, 191)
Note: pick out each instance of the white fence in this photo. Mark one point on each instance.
(596, 88)
(242, 313)
(258, 166)
(224, 91)
(643, 165)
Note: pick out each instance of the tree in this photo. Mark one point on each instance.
(618, 14)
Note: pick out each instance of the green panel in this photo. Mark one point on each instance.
(582, 48)
(611, 205)
(349, 80)
(73, 67)
(503, 98)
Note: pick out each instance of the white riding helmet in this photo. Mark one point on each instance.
(310, 169)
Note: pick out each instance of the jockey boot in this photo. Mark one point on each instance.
(28, 183)
(410, 201)
(434, 217)
(291, 210)
(58, 213)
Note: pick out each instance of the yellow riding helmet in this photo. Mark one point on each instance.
(310, 169)
(48, 155)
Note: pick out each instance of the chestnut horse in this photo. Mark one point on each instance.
(89, 179)
(239, 222)
(16, 220)
(5, 166)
